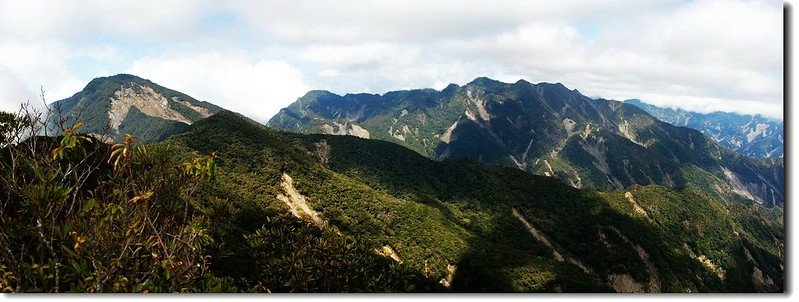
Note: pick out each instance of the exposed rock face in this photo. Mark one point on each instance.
(147, 100)
(638, 209)
(738, 187)
(447, 280)
(388, 252)
(297, 203)
(345, 128)
(358, 131)
(204, 112)
(448, 134)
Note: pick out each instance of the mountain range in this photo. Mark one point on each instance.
(545, 129)
(751, 135)
(419, 190)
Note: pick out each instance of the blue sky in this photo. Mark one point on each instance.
(256, 57)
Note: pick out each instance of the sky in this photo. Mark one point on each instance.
(255, 57)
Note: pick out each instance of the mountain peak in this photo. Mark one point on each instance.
(484, 81)
(451, 86)
(318, 93)
(116, 79)
(556, 85)
(122, 77)
(633, 101)
(124, 103)
(523, 82)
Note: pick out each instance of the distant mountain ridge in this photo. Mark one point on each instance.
(115, 105)
(752, 135)
(542, 128)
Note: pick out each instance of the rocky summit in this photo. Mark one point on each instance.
(111, 106)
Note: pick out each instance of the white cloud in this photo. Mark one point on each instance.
(697, 54)
(357, 56)
(328, 73)
(12, 90)
(706, 51)
(708, 105)
(151, 20)
(27, 68)
(359, 21)
(255, 88)
(381, 67)
(709, 52)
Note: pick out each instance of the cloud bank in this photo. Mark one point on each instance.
(258, 56)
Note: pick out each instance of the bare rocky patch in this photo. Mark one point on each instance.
(144, 98)
(568, 125)
(345, 129)
(447, 281)
(480, 104)
(204, 112)
(358, 131)
(549, 167)
(624, 129)
(638, 209)
(298, 204)
(519, 164)
(738, 187)
(760, 128)
(388, 252)
(448, 134)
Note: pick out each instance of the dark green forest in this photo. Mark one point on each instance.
(228, 205)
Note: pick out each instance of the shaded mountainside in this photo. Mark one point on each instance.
(751, 135)
(234, 206)
(471, 227)
(115, 105)
(542, 128)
